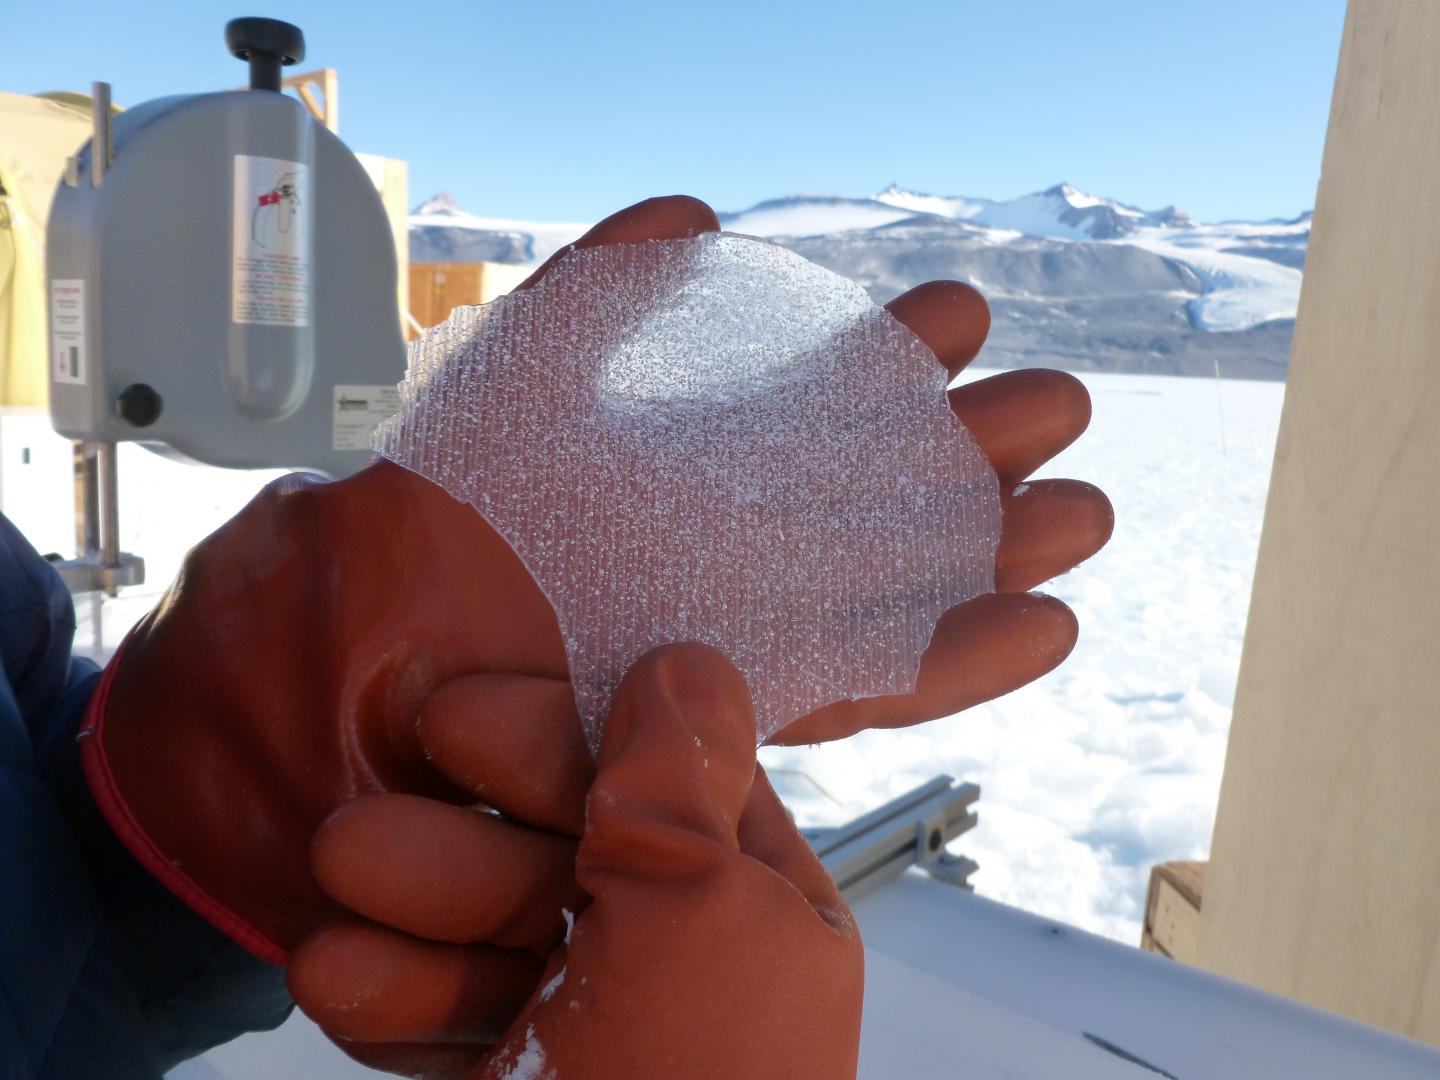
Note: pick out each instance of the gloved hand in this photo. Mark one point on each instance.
(283, 674)
(713, 944)
(980, 650)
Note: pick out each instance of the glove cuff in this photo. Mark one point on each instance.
(117, 813)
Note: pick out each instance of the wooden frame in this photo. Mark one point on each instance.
(327, 82)
(1324, 874)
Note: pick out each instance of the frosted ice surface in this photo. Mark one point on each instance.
(712, 440)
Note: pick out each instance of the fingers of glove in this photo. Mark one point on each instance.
(1047, 528)
(666, 217)
(376, 985)
(515, 742)
(950, 317)
(689, 940)
(446, 873)
(1022, 419)
(980, 650)
(677, 758)
(767, 835)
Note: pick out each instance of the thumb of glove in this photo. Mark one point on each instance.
(700, 954)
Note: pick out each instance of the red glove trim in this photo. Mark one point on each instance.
(117, 813)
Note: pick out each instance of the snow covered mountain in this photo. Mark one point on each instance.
(441, 232)
(812, 215)
(1073, 280)
(1062, 212)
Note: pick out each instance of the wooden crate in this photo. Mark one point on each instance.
(1172, 910)
(438, 288)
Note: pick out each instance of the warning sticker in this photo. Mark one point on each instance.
(358, 412)
(270, 273)
(67, 330)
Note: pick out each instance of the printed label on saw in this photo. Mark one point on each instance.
(270, 275)
(358, 411)
(67, 330)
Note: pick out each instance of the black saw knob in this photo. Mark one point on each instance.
(139, 404)
(268, 45)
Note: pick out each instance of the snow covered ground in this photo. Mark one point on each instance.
(1111, 763)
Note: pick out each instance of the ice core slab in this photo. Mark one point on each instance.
(711, 440)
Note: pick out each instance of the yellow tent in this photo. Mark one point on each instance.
(37, 134)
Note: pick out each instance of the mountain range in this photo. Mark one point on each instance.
(1073, 280)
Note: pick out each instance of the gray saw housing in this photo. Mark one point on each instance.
(154, 243)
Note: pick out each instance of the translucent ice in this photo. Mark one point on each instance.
(710, 440)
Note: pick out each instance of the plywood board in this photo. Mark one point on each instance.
(1324, 876)
(392, 180)
(437, 288)
(1172, 910)
(1188, 878)
(1176, 924)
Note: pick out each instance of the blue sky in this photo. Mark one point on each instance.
(566, 111)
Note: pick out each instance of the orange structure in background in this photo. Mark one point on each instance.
(436, 289)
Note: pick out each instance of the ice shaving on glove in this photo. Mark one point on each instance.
(724, 443)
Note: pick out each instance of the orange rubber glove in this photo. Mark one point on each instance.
(283, 674)
(713, 944)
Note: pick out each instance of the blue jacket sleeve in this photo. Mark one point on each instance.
(103, 972)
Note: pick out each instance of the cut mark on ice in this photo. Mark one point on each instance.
(713, 440)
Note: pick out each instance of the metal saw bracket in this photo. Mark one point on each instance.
(912, 830)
